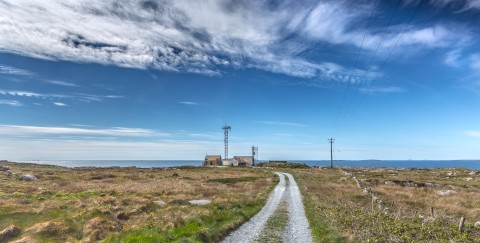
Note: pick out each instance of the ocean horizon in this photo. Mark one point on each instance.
(470, 164)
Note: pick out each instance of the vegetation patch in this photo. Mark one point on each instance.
(233, 180)
(285, 165)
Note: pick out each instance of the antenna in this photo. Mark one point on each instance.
(254, 154)
(225, 131)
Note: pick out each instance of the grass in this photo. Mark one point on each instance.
(117, 204)
(339, 211)
(273, 231)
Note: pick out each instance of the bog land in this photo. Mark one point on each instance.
(40, 203)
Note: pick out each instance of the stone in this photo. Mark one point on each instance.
(199, 202)
(28, 177)
(160, 202)
(477, 224)
(468, 178)
(391, 183)
(446, 192)
(4, 168)
(9, 232)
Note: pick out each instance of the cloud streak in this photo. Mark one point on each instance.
(16, 130)
(75, 96)
(199, 37)
(293, 124)
(14, 103)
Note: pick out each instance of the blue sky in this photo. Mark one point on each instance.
(158, 79)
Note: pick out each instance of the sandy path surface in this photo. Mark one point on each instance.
(297, 229)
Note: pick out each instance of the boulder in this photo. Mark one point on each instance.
(9, 232)
(199, 202)
(28, 177)
(4, 168)
(160, 202)
(477, 224)
(446, 192)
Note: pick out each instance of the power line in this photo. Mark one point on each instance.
(355, 64)
(388, 57)
(362, 80)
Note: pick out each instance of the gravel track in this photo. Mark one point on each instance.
(297, 229)
(250, 230)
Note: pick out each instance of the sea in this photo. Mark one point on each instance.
(470, 164)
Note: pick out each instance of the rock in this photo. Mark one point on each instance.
(199, 202)
(477, 224)
(391, 183)
(430, 185)
(9, 232)
(28, 177)
(160, 202)
(445, 192)
(4, 168)
(409, 184)
(474, 173)
(25, 240)
(343, 178)
(468, 179)
(451, 173)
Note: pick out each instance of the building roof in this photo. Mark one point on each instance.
(213, 157)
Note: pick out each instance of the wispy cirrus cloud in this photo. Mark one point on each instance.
(75, 96)
(62, 83)
(202, 37)
(293, 124)
(16, 130)
(59, 104)
(188, 103)
(9, 70)
(472, 133)
(15, 103)
(378, 89)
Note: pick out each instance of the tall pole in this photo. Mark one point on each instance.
(225, 131)
(331, 140)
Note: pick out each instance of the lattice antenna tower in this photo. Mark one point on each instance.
(226, 129)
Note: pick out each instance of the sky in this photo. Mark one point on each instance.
(134, 79)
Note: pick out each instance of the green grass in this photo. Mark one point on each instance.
(207, 228)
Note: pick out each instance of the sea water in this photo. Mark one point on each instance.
(471, 164)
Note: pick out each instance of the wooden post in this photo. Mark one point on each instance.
(431, 212)
(460, 226)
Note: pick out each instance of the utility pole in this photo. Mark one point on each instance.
(331, 140)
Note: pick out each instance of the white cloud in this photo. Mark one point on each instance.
(11, 103)
(59, 104)
(188, 103)
(378, 89)
(16, 130)
(75, 96)
(62, 83)
(198, 37)
(293, 124)
(475, 134)
(14, 71)
(475, 62)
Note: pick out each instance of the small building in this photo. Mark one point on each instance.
(212, 160)
(242, 160)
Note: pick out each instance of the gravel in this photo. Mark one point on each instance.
(251, 230)
(297, 229)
